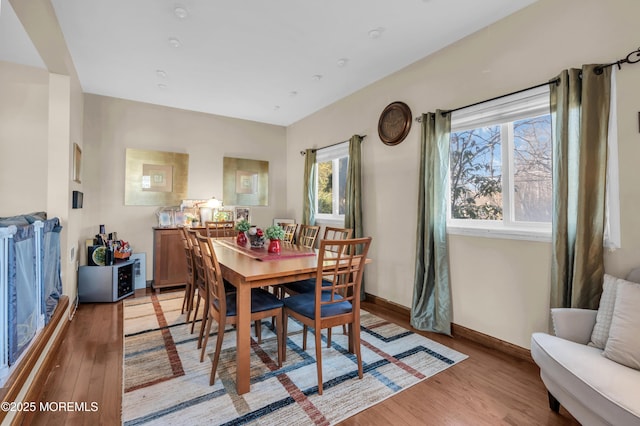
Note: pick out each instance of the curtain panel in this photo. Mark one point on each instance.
(309, 188)
(353, 193)
(579, 118)
(431, 305)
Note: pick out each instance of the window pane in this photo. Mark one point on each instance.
(476, 174)
(325, 193)
(342, 176)
(532, 198)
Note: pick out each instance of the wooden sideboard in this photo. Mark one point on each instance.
(169, 260)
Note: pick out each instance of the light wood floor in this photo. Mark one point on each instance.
(489, 388)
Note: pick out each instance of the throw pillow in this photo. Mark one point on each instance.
(600, 332)
(623, 345)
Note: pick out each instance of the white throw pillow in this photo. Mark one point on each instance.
(600, 332)
(623, 345)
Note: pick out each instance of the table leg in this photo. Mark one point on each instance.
(243, 343)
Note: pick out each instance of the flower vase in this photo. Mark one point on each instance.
(242, 239)
(274, 246)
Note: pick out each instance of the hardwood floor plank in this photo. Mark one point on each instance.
(488, 388)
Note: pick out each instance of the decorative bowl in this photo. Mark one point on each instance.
(256, 241)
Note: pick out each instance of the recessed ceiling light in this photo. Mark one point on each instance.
(376, 33)
(174, 42)
(162, 86)
(161, 73)
(316, 77)
(180, 12)
(342, 62)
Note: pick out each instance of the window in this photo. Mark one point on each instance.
(331, 181)
(500, 168)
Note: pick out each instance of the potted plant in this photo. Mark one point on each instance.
(274, 233)
(242, 226)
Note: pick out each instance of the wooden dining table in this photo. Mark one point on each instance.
(248, 268)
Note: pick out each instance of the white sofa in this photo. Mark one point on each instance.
(593, 388)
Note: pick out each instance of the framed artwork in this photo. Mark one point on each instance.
(245, 182)
(77, 163)
(242, 213)
(165, 218)
(155, 178)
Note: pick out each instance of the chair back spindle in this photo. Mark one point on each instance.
(220, 229)
(308, 235)
(331, 233)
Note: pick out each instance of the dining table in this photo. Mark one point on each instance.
(246, 268)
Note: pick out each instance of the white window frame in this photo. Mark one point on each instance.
(332, 153)
(530, 103)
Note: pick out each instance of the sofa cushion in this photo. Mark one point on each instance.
(623, 345)
(600, 332)
(605, 387)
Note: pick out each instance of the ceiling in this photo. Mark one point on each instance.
(274, 61)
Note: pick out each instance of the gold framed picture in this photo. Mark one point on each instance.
(155, 178)
(245, 182)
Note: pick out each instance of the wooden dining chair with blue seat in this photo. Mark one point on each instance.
(309, 285)
(200, 285)
(220, 229)
(189, 290)
(336, 297)
(222, 306)
(289, 232)
(307, 236)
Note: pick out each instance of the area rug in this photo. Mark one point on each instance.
(165, 382)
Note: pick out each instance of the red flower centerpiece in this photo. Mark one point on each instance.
(242, 227)
(274, 233)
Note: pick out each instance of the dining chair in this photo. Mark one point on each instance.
(307, 236)
(200, 285)
(332, 233)
(218, 229)
(222, 306)
(308, 286)
(187, 303)
(289, 232)
(336, 299)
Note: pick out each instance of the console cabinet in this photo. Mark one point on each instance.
(169, 262)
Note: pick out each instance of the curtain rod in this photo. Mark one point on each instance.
(598, 70)
(329, 146)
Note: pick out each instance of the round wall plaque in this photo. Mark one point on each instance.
(394, 123)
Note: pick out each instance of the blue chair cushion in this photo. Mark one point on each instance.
(261, 300)
(304, 304)
(304, 286)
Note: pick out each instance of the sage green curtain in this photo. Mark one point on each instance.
(309, 188)
(579, 118)
(431, 305)
(353, 203)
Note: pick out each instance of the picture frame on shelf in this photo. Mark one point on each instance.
(242, 213)
(224, 215)
(165, 219)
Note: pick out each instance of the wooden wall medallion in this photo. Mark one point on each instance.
(394, 123)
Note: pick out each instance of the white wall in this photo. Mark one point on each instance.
(23, 138)
(499, 287)
(113, 125)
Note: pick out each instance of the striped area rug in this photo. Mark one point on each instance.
(165, 382)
